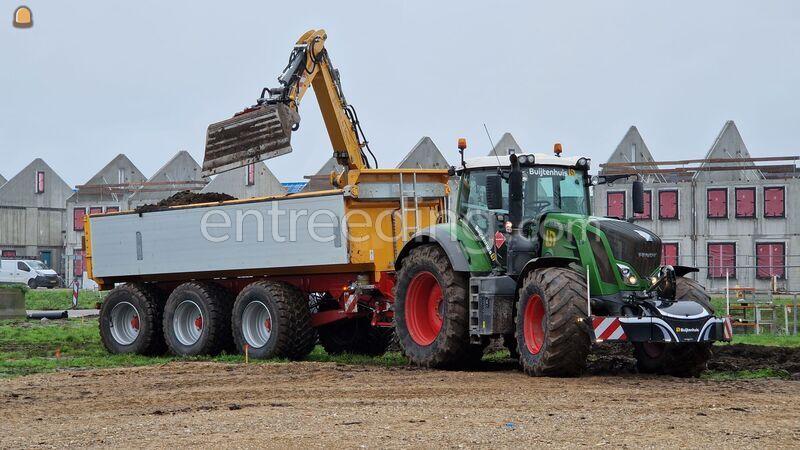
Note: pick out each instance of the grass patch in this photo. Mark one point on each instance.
(60, 299)
(746, 375)
(775, 340)
(30, 347)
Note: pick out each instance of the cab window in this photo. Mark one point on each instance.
(23, 267)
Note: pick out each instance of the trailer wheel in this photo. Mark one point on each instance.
(273, 320)
(130, 320)
(197, 319)
(680, 360)
(356, 336)
(553, 338)
(431, 310)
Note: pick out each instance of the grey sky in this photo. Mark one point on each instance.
(94, 79)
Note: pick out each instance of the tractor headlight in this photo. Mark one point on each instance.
(583, 163)
(523, 159)
(627, 275)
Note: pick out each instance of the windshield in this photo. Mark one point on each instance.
(552, 188)
(37, 265)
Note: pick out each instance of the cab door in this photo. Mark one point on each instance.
(23, 272)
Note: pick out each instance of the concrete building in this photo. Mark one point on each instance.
(32, 214)
(108, 190)
(2, 179)
(735, 222)
(506, 142)
(254, 180)
(424, 155)
(321, 181)
(180, 173)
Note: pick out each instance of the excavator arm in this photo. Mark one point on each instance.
(264, 130)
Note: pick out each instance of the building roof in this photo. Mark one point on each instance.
(729, 145)
(20, 189)
(234, 182)
(293, 187)
(506, 142)
(180, 169)
(424, 155)
(110, 173)
(320, 181)
(632, 149)
(2, 180)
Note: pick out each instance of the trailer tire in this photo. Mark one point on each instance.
(130, 320)
(197, 319)
(553, 337)
(431, 317)
(356, 336)
(284, 312)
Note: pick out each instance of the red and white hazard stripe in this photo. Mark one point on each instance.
(727, 333)
(351, 304)
(608, 329)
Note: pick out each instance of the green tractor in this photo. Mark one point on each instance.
(524, 260)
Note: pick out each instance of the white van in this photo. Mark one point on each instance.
(31, 272)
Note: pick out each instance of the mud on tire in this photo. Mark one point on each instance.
(197, 319)
(553, 338)
(130, 320)
(274, 320)
(431, 316)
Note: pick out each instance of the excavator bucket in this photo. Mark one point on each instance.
(259, 133)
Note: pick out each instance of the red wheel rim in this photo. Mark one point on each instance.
(423, 308)
(135, 323)
(532, 327)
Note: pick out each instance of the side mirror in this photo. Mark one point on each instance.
(494, 192)
(638, 197)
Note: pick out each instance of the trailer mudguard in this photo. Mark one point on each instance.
(444, 239)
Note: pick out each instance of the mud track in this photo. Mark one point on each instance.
(325, 404)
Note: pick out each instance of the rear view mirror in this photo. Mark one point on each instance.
(494, 192)
(638, 197)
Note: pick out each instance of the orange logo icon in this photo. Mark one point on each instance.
(23, 18)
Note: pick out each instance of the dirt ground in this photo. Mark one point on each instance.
(331, 405)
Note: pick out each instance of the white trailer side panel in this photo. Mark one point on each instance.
(290, 232)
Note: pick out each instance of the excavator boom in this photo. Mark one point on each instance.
(264, 130)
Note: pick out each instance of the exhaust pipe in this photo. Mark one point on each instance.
(258, 133)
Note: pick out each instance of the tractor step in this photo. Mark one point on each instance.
(259, 133)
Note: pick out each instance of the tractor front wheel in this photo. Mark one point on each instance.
(553, 337)
(431, 310)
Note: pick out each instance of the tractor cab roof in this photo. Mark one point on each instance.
(541, 159)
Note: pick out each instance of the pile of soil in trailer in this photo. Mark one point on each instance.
(185, 198)
(611, 359)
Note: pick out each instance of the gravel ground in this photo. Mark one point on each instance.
(330, 405)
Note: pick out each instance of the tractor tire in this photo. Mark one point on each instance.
(553, 336)
(273, 320)
(689, 289)
(197, 319)
(510, 343)
(130, 320)
(679, 360)
(431, 316)
(356, 336)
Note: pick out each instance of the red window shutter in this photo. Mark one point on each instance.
(774, 202)
(648, 206)
(615, 203)
(669, 253)
(721, 260)
(251, 174)
(717, 201)
(745, 202)
(39, 182)
(96, 210)
(77, 218)
(112, 209)
(770, 260)
(667, 204)
(9, 253)
(77, 263)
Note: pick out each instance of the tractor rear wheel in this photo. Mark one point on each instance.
(553, 337)
(197, 319)
(356, 336)
(431, 317)
(680, 360)
(130, 320)
(273, 320)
